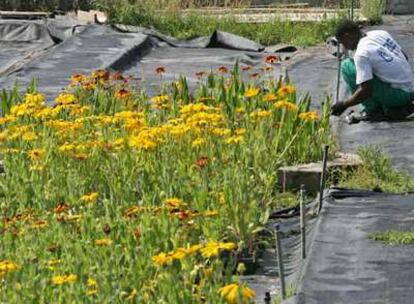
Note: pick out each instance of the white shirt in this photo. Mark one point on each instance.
(379, 54)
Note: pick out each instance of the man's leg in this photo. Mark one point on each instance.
(394, 103)
(348, 71)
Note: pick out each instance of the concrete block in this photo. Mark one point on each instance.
(292, 177)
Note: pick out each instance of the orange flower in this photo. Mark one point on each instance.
(272, 59)
(223, 69)
(88, 86)
(255, 75)
(77, 78)
(286, 90)
(61, 208)
(117, 76)
(246, 68)
(103, 242)
(200, 74)
(100, 75)
(202, 162)
(40, 224)
(122, 94)
(160, 70)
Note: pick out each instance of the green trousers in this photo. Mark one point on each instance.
(383, 98)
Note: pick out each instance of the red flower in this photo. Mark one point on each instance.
(200, 74)
(202, 162)
(272, 59)
(246, 68)
(160, 70)
(223, 69)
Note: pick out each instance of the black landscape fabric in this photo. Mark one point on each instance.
(346, 266)
(53, 50)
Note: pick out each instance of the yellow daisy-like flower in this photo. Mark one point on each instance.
(198, 142)
(161, 259)
(103, 242)
(65, 99)
(286, 90)
(90, 197)
(251, 92)
(35, 154)
(213, 248)
(269, 97)
(290, 106)
(64, 279)
(234, 292)
(309, 116)
(40, 224)
(7, 266)
(175, 203)
(234, 139)
(34, 98)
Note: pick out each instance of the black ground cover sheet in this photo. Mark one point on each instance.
(345, 265)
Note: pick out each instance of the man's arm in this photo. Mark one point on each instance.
(363, 92)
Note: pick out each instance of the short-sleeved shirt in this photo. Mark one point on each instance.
(379, 54)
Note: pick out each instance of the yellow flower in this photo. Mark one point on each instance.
(90, 197)
(212, 248)
(175, 203)
(160, 99)
(40, 224)
(233, 292)
(308, 116)
(29, 136)
(290, 106)
(132, 295)
(34, 98)
(52, 263)
(286, 90)
(198, 142)
(179, 254)
(7, 266)
(261, 114)
(91, 282)
(234, 139)
(251, 92)
(65, 99)
(64, 279)
(35, 154)
(269, 97)
(103, 242)
(161, 259)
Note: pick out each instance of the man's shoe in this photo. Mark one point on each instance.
(354, 118)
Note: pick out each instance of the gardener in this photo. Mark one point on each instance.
(379, 76)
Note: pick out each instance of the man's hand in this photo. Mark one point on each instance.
(338, 108)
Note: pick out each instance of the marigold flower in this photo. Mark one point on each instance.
(161, 259)
(34, 98)
(309, 116)
(65, 99)
(212, 248)
(35, 154)
(260, 114)
(103, 242)
(269, 97)
(77, 78)
(40, 224)
(61, 208)
(272, 59)
(198, 142)
(90, 197)
(64, 279)
(122, 94)
(286, 90)
(200, 74)
(233, 292)
(175, 203)
(101, 75)
(223, 69)
(160, 70)
(202, 162)
(246, 68)
(88, 86)
(290, 106)
(7, 266)
(251, 92)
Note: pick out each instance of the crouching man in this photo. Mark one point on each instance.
(379, 76)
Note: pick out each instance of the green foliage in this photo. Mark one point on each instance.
(193, 24)
(377, 172)
(373, 9)
(394, 237)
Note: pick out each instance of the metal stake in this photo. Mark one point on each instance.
(280, 262)
(338, 78)
(323, 176)
(303, 220)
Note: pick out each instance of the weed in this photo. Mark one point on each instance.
(394, 237)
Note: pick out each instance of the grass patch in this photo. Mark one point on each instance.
(394, 237)
(172, 22)
(377, 172)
